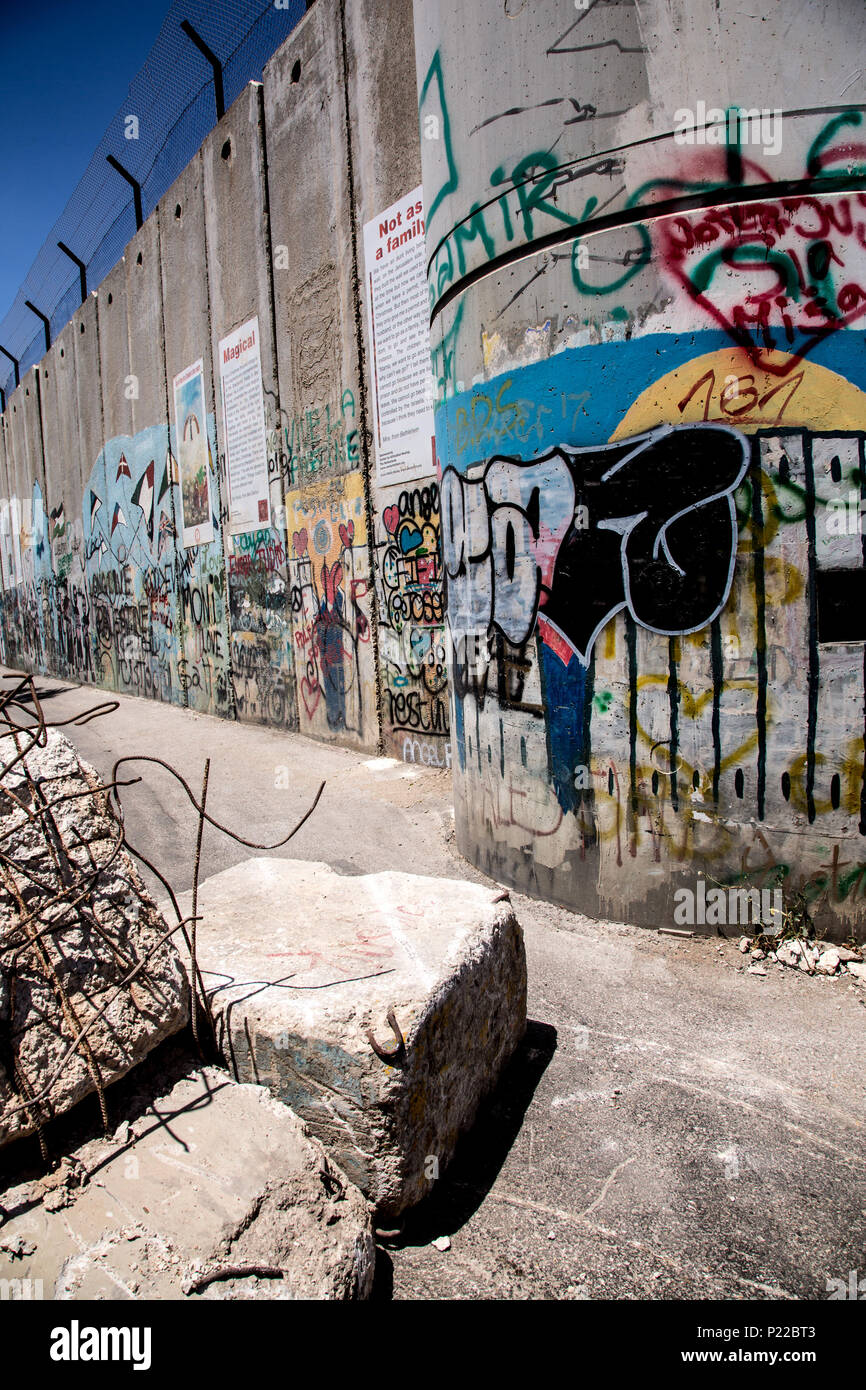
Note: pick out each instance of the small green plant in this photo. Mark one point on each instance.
(796, 924)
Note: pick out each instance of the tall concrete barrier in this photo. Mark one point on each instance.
(63, 489)
(406, 523)
(639, 489)
(83, 434)
(31, 563)
(133, 587)
(647, 275)
(8, 626)
(322, 448)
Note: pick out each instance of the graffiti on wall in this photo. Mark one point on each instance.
(314, 440)
(653, 630)
(129, 565)
(203, 666)
(329, 577)
(261, 656)
(411, 627)
(620, 733)
(107, 597)
(576, 536)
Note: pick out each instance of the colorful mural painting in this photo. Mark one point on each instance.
(110, 597)
(412, 628)
(330, 604)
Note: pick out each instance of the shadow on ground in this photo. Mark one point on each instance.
(43, 693)
(480, 1154)
(128, 1098)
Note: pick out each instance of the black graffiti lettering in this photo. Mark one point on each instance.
(575, 536)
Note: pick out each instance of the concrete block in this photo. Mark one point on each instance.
(300, 962)
(209, 1176)
(95, 945)
(63, 432)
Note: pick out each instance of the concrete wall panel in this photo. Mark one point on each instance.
(63, 494)
(239, 277)
(132, 581)
(411, 640)
(9, 630)
(321, 445)
(204, 669)
(29, 522)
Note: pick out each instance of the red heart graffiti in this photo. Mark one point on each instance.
(312, 694)
(347, 534)
(391, 518)
(778, 275)
(299, 541)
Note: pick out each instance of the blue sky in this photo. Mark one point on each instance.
(65, 67)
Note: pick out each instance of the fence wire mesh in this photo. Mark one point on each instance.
(173, 101)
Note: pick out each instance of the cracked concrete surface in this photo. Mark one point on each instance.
(672, 1127)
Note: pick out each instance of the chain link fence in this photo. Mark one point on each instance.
(170, 109)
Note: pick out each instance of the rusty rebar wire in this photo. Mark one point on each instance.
(192, 935)
(51, 890)
(232, 834)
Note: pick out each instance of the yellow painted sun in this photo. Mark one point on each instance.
(728, 387)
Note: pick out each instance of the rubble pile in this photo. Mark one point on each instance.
(381, 1008)
(209, 1190)
(90, 979)
(812, 957)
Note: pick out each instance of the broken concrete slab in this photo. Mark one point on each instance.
(302, 964)
(210, 1179)
(75, 920)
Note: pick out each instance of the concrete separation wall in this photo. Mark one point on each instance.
(276, 624)
(646, 269)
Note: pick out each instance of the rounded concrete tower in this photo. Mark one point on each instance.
(646, 231)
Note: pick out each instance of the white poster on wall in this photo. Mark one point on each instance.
(244, 422)
(190, 422)
(398, 318)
